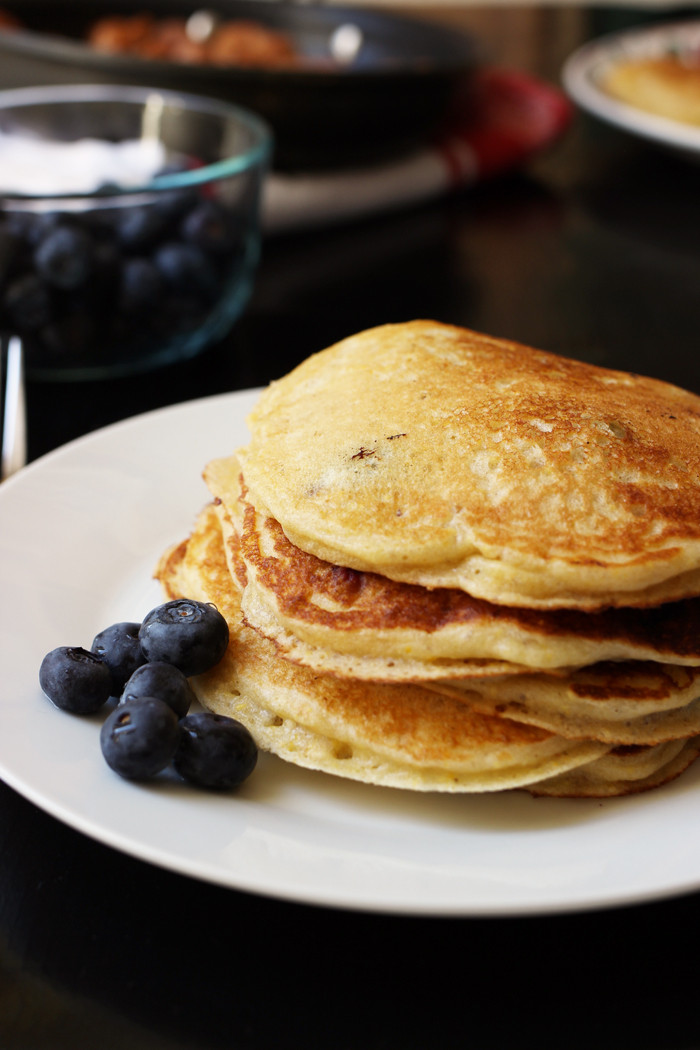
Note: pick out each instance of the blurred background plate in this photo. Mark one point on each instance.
(387, 101)
(584, 72)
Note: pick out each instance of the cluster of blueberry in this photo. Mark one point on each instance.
(113, 282)
(147, 665)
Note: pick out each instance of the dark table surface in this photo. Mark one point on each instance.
(591, 251)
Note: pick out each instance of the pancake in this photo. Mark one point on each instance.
(618, 703)
(400, 736)
(349, 659)
(441, 457)
(621, 701)
(624, 771)
(629, 772)
(454, 563)
(666, 86)
(362, 624)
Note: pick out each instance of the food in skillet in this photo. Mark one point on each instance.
(201, 38)
(241, 42)
(452, 563)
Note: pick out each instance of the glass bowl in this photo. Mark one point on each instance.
(129, 224)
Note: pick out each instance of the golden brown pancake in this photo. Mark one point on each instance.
(624, 771)
(618, 703)
(400, 736)
(454, 563)
(666, 86)
(365, 625)
(442, 457)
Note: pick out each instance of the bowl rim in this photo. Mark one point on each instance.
(257, 155)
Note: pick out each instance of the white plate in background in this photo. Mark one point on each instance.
(584, 70)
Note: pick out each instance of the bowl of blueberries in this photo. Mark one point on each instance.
(129, 225)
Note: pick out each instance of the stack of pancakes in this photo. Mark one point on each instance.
(450, 562)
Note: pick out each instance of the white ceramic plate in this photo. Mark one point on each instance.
(80, 532)
(585, 69)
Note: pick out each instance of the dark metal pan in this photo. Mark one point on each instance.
(386, 102)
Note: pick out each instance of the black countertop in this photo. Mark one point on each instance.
(592, 251)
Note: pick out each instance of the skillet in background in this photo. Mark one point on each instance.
(387, 101)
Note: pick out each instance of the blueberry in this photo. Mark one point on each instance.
(171, 204)
(139, 738)
(120, 649)
(139, 226)
(41, 225)
(214, 751)
(18, 223)
(189, 634)
(185, 266)
(140, 285)
(107, 188)
(64, 257)
(106, 263)
(32, 227)
(75, 680)
(163, 680)
(210, 227)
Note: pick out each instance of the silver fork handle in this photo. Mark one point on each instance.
(14, 427)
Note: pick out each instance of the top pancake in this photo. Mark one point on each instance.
(666, 85)
(439, 456)
(370, 626)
